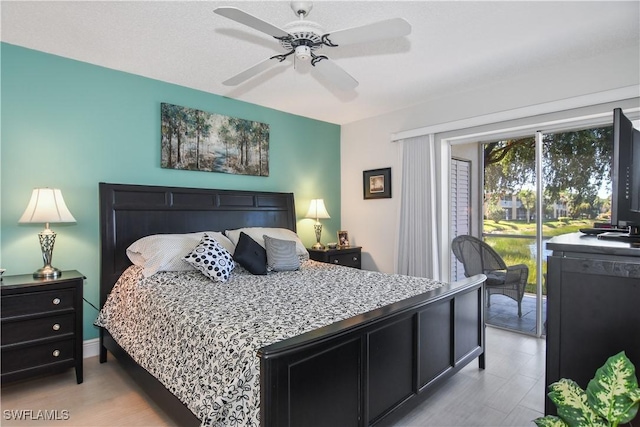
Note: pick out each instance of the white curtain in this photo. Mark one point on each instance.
(418, 237)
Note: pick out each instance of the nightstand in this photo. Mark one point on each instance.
(41, 325)
(349, 256)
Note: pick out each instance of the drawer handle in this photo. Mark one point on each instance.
(56, 326)
(56, 301)
(355, 258)
(56, 353)
(335, 261)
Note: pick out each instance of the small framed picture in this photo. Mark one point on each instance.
(377, 183)
(343, 238)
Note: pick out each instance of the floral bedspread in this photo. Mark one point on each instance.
(200, 338)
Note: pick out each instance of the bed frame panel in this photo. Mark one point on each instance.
(366, 370)
(383, 362)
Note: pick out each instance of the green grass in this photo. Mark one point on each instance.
(549, 228)
(516, 250)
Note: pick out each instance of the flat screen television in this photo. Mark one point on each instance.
(625, 195)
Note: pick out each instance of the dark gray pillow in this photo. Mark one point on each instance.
(251, 255)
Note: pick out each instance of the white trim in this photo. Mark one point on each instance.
(550, 126)
(613, 95)
(90, 348)
(539, 242)
(443, 195)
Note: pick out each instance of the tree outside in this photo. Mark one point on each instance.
(528, 199)
(576, 166)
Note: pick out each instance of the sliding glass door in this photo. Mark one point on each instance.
(533, 188)
(509, 226)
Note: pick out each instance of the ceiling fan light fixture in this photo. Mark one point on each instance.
(303, 53)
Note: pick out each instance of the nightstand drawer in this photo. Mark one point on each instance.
(42, 327)
(345, 256)
(37, 302)
(23, 357)
(348, 259)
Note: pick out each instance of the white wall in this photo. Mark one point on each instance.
(367, 144)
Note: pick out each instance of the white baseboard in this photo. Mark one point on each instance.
(91, 348)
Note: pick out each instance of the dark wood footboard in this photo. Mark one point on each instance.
(367, 370)
(370, 369)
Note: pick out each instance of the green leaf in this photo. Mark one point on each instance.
(613, 391)
(550, 421)
(572, 404)
(634, 395)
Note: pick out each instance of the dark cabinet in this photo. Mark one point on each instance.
(41, 321)
(593, 295)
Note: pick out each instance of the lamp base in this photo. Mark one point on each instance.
(318, 246)
(47, 238)
(318, 229)
(47, 271)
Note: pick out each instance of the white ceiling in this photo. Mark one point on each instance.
(454, 46)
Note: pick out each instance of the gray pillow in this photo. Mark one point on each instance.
(281, 254)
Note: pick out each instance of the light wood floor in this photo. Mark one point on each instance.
(509, 392)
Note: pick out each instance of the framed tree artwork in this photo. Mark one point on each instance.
(377, 183)
(193, 139)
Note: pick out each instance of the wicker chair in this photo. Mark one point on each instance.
(478, 257)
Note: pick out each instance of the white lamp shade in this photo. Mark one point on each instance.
(46, 205)
(317, 210)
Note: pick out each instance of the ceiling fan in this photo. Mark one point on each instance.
(303, 39)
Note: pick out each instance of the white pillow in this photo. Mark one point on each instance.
(212, 259)
(165, 252)
(256, 234)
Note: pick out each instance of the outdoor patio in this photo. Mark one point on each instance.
(503, 313)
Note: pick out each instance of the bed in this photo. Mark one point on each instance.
(366, 369)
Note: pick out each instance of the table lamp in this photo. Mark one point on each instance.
(317, 211)
(46, 206)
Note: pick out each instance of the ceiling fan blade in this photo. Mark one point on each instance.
(387, 29)
(335, 74)
(251, 72)
(244, 18)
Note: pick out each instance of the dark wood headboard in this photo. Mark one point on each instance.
(129, 212)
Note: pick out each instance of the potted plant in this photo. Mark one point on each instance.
(612, 397)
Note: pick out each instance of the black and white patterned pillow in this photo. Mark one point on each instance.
(212, 259)
(281, 254)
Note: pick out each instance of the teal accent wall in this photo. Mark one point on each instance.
(70, 125)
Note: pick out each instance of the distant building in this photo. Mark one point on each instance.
(513, 209)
